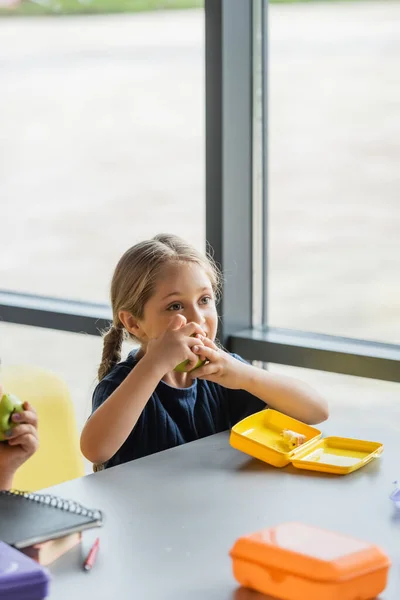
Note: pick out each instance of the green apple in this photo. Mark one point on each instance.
(9, 404)
(181, 368)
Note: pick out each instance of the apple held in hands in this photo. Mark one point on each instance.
(181, 368)
(9, 404)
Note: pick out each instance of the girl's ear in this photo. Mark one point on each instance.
(130, 323)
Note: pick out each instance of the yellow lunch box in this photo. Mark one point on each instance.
(262, 436)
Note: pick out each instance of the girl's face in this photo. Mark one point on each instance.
(185, 289)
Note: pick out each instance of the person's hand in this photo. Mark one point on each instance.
(221, 367)
(22, 442)
(176, 345)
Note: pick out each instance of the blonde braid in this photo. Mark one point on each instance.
(112, 345)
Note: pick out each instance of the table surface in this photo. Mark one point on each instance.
(171, 518)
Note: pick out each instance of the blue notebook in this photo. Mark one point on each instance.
(28, 519)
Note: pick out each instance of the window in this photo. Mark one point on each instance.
(334, 181)
(351, 399)
(267, 286)
(102, 144)
(300, 172)
(74, 357)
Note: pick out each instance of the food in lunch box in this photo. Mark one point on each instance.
(293, 439)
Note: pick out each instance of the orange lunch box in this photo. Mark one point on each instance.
(294, 561)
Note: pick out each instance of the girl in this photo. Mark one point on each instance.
(22, 442)
(163, 296)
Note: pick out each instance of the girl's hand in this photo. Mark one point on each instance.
(175, 345)
(22, 441)
(284, 394)
(221, 367)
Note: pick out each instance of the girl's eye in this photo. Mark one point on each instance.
(206, 300)
(175, 306)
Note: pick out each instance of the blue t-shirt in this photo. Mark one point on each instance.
(175, 416)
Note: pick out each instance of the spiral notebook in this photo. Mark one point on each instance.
(27, 519)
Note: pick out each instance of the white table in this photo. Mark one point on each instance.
(172, 518)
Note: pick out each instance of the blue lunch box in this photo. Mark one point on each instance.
(21, 578)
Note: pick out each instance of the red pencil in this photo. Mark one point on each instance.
(91, 557)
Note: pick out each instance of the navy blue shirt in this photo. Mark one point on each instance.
(175, 416)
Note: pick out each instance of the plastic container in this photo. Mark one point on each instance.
(260, 436)
(21, 578)
(297, 562)
(395, 496)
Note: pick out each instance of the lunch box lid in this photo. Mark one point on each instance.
(310, 553)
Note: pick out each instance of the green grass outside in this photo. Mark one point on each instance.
(70, 7)
(67, 7)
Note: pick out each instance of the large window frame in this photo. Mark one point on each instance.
(236, 217)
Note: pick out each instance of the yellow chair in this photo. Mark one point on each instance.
(58, 458)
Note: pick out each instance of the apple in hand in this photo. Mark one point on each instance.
(9, 404)
(181, 368)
